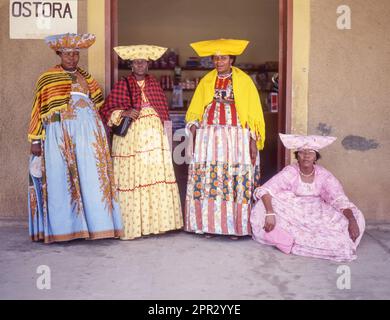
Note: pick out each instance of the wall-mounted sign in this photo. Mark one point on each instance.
(38, 19)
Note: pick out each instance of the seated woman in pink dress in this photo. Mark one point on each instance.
(304, 210)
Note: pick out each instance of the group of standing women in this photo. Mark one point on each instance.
(79, 189)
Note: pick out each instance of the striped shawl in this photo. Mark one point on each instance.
(52, 93)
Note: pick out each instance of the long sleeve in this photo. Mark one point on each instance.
(118, 99)
(333, 193)
(280, 182)
(248, 104)
(203, 95)
(36, 130)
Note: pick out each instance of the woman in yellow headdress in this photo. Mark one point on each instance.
(226, 123)
(143, 170)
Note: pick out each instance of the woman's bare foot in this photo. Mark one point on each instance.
(234, 238)
(209, 236)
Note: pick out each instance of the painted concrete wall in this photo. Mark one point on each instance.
(300, 66)
(348, 97)
(96, 53)
(21, 62)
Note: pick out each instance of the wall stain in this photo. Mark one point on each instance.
(352, 142)
(324, 129)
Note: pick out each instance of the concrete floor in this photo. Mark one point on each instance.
(184, 266)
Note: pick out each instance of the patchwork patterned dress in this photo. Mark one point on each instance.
(73, 195)
(221, 176)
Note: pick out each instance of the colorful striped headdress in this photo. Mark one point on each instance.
(70, 41)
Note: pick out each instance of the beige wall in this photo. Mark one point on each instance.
(300, 67)
(22, 61)
(176, 23)
(349, 98)
(96, 53)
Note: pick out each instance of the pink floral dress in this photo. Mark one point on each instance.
(311, 213)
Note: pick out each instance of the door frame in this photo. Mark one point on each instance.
(111, 40)
(285, 65)
(285, 77)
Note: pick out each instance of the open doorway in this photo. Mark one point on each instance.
(176, 23)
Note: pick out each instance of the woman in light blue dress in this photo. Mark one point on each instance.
(71, 192)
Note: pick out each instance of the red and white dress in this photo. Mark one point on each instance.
(221, 176)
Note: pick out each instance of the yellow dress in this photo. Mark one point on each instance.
(144, 176)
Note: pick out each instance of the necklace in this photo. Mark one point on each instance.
(306, 175)
(74, 71)
(72, 75)
(225, 76)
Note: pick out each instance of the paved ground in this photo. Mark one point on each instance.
(184, 266)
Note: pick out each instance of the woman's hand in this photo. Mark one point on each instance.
(253, 151)
(133, 114)
(36, 149)
(269, 223)
(353, 229)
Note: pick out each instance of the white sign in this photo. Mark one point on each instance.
(38, 19)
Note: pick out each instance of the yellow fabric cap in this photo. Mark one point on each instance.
(220, 47)
(141, 51)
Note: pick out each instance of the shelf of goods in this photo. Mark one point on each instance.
(188, 77)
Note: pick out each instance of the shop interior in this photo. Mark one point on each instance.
(176, 23)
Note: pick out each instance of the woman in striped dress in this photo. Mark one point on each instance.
(226, 123)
